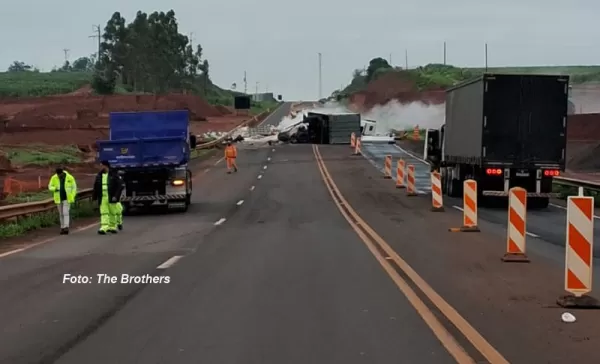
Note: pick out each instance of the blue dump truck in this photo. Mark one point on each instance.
(151, 150)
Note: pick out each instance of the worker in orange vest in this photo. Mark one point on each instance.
(230, 155)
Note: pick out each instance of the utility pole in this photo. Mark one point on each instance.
(192, 40)
(245, 84)
(256, 94)
(99, 36)
(66, 54)
(390, 59)
(444, 53)
(406, 59)
(320, 77)
(486, 58)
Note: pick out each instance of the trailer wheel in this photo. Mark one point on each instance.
(539, 202)
(293, 139)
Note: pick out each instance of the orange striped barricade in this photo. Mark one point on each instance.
(410, 179)
(436, 192)
(469, 208)
(516, 232)
(352, 140)
(416, 133)
(579, 253)
(357, 150)
(400, 174)
(387, 167)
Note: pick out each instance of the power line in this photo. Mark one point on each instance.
(98, 34)
(320, 78)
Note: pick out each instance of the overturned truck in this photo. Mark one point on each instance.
(323, 128)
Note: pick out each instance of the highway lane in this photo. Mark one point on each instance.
(42, 317)
(283, 110)
(284, 280)
(547, 225)
(512, 305)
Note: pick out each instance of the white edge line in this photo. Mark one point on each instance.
(240, 202)
(458, 208)
(222, 220)
(170, 262)
(412, 155)
(219, 161)
(564, 208)
(532, 234)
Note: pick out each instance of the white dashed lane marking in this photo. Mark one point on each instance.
(222, 220)
(170, 262)
(240, 202)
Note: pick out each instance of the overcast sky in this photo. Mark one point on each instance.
(277, 42)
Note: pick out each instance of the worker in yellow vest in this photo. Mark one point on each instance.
(64, 189)
(107, 191)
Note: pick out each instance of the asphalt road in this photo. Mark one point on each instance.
(267, 267)
(546, 225)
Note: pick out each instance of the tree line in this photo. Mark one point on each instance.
(148, 55)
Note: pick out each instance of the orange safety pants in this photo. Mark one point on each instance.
(231, 163)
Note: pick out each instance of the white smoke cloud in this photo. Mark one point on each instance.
(396, 116)
(391, 116)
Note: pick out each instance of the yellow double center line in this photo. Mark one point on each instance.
(375, 243)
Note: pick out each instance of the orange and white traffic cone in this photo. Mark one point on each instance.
(579, 253)
(516, 232)
(410, 179)
(400, 174)
(387, 167)
(436, 192)
(469, 208)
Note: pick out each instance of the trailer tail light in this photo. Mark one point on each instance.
(493, 171)
(178, 182)
(551, 172)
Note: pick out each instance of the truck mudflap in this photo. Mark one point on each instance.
(154, 198)
(529, 194)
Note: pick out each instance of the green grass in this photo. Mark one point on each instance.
(24, 225)
(23, 84)
(443, 76)
(28, 197)
(41, 157)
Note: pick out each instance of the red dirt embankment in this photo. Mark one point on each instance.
(394, 86)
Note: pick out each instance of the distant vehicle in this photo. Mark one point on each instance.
(152, 149)
(503, 131)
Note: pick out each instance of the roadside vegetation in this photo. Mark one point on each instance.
(128, 63)
(33, 155)
(439, 76)
(81, 209)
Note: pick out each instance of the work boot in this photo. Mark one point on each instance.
(228, 172)
(66, 231)
(101, 232)
(113, 231)
(235, 169)
(62, 231)
(120, 226)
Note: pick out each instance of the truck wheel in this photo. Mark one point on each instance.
(539, 202)
(293, 139)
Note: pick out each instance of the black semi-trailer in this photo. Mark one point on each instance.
(503, 131)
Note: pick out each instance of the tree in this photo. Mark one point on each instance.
(82, 64)
(376, 64)
(18, 66)
(149, 54)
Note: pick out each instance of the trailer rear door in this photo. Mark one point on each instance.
(525, 119)
(545, 100)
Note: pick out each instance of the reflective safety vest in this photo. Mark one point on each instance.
(70, 188)
(105, 185)
(230, 152)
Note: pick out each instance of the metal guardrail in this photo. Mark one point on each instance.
(12, 211)
(574, 182)
(23, 209)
